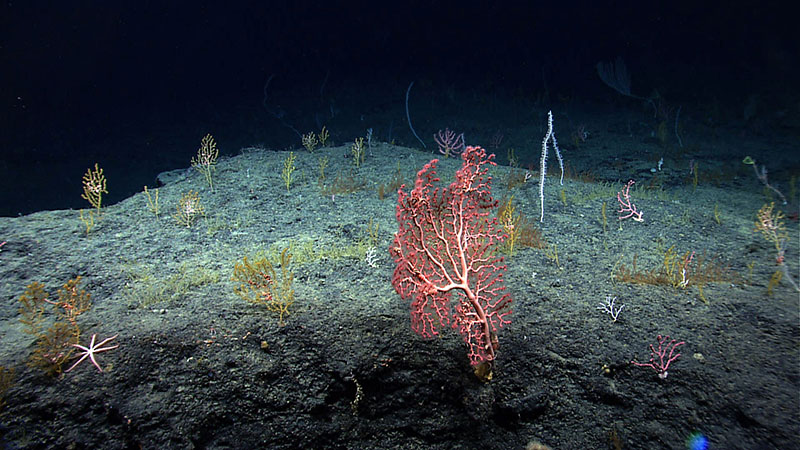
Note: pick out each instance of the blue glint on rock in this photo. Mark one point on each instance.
(697, 441)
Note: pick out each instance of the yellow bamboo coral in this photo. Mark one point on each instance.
(288, 170)
(511, 225)
(323, 136)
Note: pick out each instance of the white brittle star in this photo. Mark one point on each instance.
(91, 350)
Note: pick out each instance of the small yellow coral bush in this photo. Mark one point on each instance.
(189, 209)
(258, 284)
(54, 343)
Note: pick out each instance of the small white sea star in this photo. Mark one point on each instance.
(91, 350)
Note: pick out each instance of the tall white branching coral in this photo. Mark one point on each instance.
(549, 136)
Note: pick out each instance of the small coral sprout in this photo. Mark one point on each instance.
(660, 365)
(358, 151)
(770, 224)
(772, 227)
(94, 186)
(511, 225)
(450, 143)
(310, 141)
(323, 136)
(188, 209)
(287, 174)
(206, 158)
(626, 207)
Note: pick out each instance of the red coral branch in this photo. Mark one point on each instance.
(445, 250)
(627, 206)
